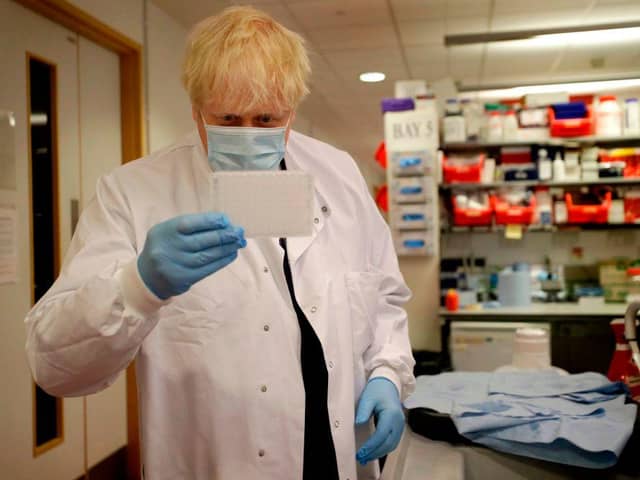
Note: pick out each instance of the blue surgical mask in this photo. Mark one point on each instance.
(245, 148)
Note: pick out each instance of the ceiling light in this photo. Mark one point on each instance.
(611, 32)
(592, 37)
(575, 88)
(372, 77)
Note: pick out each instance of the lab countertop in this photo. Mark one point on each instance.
(543, 309)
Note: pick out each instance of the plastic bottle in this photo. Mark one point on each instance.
(544, 165)
(495, 131)
(510, 126)
(631, 117)
(451, 300)
(472, 118)
(609, 117)
(558, 168)
(453, 123)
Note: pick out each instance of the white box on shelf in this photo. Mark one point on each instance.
(410, 217)
(412, 190)
(417, 242)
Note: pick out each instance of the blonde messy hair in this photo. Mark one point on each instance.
(245, 57)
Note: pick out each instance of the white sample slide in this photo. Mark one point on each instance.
(266, 204)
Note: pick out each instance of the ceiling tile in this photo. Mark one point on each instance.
(340, 13)
(420, 54)
(529, 6)
(465, 60)
(430, 71)
(421, 33)
(612, 13)
(468, 8)
(466, 25)
(620, 57)
(419, 9)
(328, 39)
(366, 60)
(534, 19)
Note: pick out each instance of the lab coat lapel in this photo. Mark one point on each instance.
(296, 246)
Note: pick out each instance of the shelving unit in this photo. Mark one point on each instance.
(551, 142)
(539, 183)
(565, 227)
(492, 148)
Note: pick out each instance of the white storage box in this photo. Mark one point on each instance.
(484, 346)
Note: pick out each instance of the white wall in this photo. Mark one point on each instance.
(125, 16)
(168, 105)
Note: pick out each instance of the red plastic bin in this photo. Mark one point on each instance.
(571, 127)
(469, 217)
(507, 214)
(468, 173)
(588, 213)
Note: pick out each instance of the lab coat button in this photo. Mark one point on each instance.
(316, 220)
(314, 309)
(266, 328)
(263, 388)
(266, 270)
(336, 423)
(325, 209)
(330, 364)
(261, 453)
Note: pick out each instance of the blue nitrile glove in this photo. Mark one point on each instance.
(185, 249)
(380, 398)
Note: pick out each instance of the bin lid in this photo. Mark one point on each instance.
(397, 104)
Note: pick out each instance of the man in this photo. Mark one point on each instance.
(256, 359)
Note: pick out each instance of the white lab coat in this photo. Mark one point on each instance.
(220, 386)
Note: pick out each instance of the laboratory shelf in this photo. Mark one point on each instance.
(456, 229)
(539, 183)
(553, 142)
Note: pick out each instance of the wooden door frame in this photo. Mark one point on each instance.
(133, 141)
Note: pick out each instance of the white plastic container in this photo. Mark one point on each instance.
(609, 117)
(531, 349)
(545, 171)
(495, 130)
(510, 126)
(560, 214)
(543, 207)
(631, 117)
(472, 113)
(616, 211)
(558, 168)
(488, 170)
(453, 125)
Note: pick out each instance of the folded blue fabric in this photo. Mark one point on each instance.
(577, 420)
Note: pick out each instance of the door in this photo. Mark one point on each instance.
(25, 36)
(82, 81)
(101, 152)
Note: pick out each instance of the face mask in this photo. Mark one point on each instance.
(245, 148)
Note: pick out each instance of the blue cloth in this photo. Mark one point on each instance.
(577, 420)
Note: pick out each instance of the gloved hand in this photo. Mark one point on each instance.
(185, 249)
(380, 397)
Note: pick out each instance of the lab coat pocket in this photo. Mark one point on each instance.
(363, 289)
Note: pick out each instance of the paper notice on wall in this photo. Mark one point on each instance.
(8, 245)
(7, 151)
